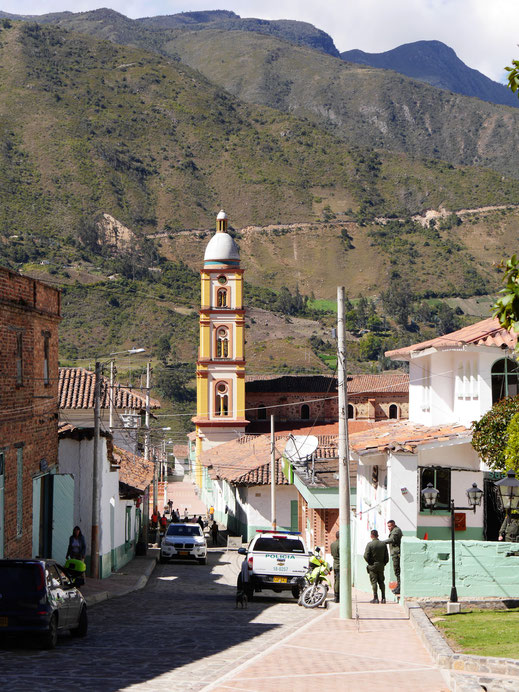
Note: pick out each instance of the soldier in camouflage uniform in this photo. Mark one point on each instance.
(393, 541)
(334, 549)
(377, 557)
(509, 530)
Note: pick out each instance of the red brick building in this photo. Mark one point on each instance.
(29, 318)
(313, 398)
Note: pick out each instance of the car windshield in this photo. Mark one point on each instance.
(279, 544)
(184, 530)
(19, 579)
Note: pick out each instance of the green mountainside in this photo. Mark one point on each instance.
(106, 23)
(89, 128)
(379, 108)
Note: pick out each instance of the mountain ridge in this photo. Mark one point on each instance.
(435, 63)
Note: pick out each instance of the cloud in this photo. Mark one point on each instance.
(480, 31)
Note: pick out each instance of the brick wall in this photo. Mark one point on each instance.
(30, 311)
(368, 406)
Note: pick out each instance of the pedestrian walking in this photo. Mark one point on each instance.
(377, 557)
(509, 528)
(76, 545)
(334, 549)
(393, 541)
(200, 521)
(170, 505)
(186, 515)
(214, 532)
(211, 513)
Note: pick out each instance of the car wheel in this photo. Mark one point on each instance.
(202, 560)
(82, 627)
(50, 638)
(296, 591)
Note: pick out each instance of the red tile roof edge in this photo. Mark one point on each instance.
(487, 332)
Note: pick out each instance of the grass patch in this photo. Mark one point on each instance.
(483, 632)
(323, 304)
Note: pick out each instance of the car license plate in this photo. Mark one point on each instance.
(184, 552)
(3, 622)
(278, 580)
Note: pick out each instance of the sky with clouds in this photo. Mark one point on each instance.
(483, 33)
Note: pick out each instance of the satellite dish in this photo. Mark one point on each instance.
(299, 448)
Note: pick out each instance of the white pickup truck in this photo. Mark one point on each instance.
(275, 560)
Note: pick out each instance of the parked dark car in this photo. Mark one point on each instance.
(38, 597)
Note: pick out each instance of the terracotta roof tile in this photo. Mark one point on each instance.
(180, 451)
(134, 471)
(261, 476)
(404, 436)
(485, 333)
(357, 384)
(76, 391)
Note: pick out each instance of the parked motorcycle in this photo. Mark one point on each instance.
(315, 591)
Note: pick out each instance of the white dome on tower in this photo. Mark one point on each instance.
(220, 248)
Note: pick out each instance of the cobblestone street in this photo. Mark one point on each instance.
(181, 632)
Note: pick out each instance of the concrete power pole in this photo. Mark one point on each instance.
(96, 494)
(272, 475)
(146, 505)
(345, 610)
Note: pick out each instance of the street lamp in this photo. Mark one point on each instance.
(509, 491)
(474, 496)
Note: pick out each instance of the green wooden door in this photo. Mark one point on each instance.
(294, 523)
(62, 515)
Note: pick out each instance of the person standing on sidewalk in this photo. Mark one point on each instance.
(214, 532)
(377, 557)
(76, 545)
(393, 541)
(334, 549)
(211, 513)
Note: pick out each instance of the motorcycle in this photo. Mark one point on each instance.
(317, 582)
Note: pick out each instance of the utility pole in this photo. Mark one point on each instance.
(345, 610)
(272, 475)
(96, 495)
(111, 397)
(146, 509)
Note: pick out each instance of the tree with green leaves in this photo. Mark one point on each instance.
(506, 307)
(491, 434)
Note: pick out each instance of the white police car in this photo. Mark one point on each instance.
(184, 542)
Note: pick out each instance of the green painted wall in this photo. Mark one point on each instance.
(482, 569)
(123, 555)
(443, 533)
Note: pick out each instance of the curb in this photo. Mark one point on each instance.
(476, 667)
(141, 582)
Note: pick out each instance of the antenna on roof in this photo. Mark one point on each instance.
(300, 448)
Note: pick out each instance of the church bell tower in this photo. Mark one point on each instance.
(220, 373)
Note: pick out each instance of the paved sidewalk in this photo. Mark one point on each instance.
(183, 494)
(377, 650)
(131, 577)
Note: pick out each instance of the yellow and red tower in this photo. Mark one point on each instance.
(220, 373)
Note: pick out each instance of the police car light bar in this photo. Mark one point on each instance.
(285, 533)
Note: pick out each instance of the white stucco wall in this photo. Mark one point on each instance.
(460, 385)
(258, 507)
(76, 457)
(400, 499)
